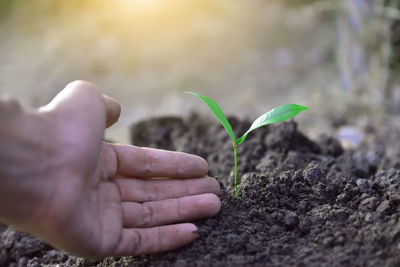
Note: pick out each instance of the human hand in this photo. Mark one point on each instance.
(96, 199)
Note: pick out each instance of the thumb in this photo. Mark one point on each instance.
(82, 99)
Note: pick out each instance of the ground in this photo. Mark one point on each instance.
(302, 202)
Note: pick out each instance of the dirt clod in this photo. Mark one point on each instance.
(302, 202)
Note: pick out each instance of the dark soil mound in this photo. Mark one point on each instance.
(302, 202)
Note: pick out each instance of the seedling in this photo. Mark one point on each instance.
(278, 114)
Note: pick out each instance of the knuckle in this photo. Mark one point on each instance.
(147, 215)
(148, 162)
(85, 88)
(179, 211)
(159, 244)
(136, 242)
(85, 85)
(184, 166)
(178, 166)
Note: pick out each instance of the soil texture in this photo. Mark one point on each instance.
(302, 202)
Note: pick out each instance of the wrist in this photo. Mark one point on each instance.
(25, 157)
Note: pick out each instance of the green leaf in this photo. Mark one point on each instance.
(216, 110)
(277, 114)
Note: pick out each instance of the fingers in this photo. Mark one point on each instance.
(155, 240)
(113, 110)
(169, 211)
(147, 162)
(137, 190)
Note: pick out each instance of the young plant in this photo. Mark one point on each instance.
(277, 114)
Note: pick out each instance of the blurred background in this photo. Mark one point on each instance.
(339, 57)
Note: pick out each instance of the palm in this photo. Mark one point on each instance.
(105, 202)
(103, 213)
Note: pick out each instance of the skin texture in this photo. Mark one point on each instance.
(60, 182)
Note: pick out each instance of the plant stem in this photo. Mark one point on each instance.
(235, 155)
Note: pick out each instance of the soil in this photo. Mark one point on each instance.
(302, 202)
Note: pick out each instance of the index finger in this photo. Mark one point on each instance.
(141, 162)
